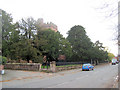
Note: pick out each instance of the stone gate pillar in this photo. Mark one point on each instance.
(40, 67)
(53, 66)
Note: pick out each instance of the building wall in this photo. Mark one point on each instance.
(50, 25)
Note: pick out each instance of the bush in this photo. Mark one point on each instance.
(3, 60)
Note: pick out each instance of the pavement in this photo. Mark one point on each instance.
(103, 76)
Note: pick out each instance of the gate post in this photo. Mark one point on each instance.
(40, 67)
(53, 66)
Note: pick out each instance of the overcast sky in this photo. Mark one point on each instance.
(91, 14)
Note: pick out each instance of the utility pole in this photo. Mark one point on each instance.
(0, 32)
(119, 43)
(119, 30)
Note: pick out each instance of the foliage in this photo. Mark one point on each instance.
(83, 49)
(3, 60)
(56, 44)
(26, 40)
(7, 28)
(110, 56)
(80, 43)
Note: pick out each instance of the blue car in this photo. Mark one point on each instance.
(87, 66)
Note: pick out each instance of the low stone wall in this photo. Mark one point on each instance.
(1, 67)
(23, 66)
(68, 67)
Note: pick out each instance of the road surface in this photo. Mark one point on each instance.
(104, 76)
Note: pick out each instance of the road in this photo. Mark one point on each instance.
(104, 76)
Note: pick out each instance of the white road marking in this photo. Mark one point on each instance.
(62, 83)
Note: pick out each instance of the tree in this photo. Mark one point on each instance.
(65, 48)
(83, 49)
(80, 43)
(110, 56)
(27, 27)
(56, 44)
(99, 52)
(7, 28)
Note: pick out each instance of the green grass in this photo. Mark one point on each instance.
(45, 67)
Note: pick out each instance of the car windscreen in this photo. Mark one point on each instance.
(86, 65)
(114, 60)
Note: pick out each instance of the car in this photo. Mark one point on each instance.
(117, 62)
(87, 66)
(114, 61)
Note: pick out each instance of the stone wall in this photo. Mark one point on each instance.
(1, 67)
(37, 67)
(23, 66)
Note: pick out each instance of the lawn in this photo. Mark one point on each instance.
(45, 67)
(60, 66)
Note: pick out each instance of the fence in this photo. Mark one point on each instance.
(67, 63)
(103, 61)
(77, 63)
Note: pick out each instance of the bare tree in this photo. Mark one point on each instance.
(110, 9)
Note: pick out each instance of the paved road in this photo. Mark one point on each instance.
(104, 76)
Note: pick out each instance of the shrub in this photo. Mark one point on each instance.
(3, 60)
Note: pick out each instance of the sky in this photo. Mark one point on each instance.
(93, 15)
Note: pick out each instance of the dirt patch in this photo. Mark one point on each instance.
(21, 78)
